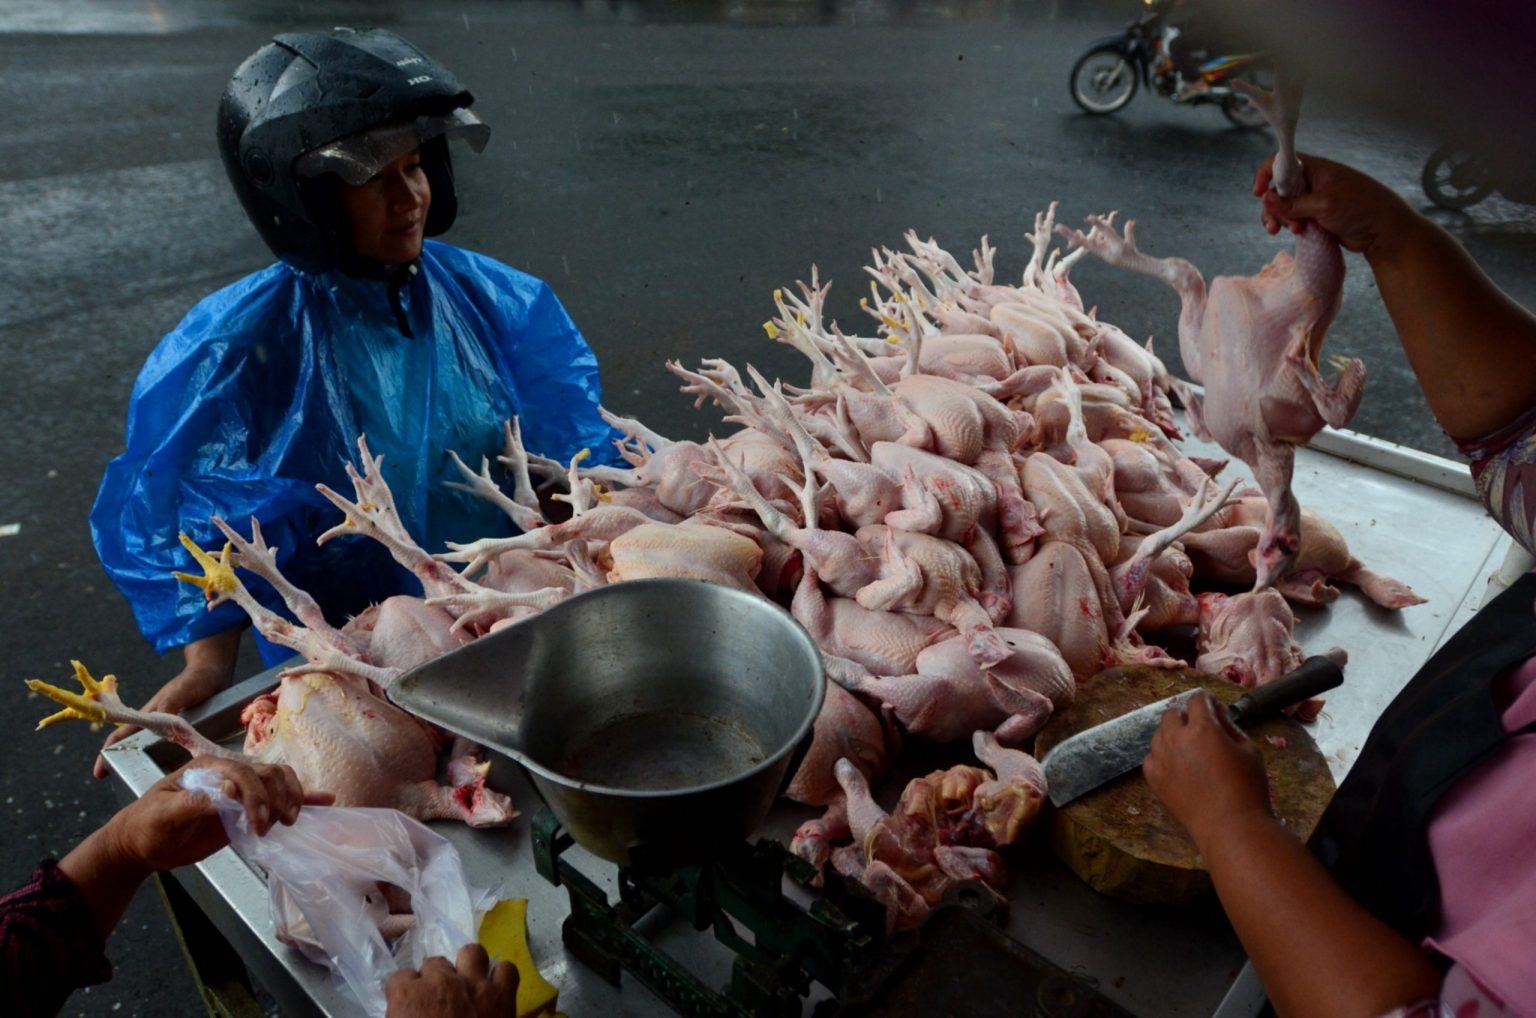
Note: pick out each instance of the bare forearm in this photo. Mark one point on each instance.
(105, 878)
(1470, 345)
(215, 655)
(1317, 951)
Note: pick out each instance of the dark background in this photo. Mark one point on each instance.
(663, 166)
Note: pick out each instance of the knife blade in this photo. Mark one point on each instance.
(1082, 762)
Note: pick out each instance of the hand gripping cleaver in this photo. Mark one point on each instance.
(1077, 765)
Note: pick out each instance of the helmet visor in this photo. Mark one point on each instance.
(357, 157)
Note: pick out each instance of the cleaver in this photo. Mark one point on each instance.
(1081, 763)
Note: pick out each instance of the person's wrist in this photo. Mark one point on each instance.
(103, 860)
(1398, 228)
(1215, 829)
(118, 855)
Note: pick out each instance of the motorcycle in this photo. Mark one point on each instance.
(1454, 178)
(1105, 78)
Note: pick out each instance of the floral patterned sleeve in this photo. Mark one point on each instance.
(1504, 468)
(1460, 997)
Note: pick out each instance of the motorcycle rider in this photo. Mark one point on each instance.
(1192, 35)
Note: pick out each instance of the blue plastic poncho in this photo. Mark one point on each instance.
(262, 390)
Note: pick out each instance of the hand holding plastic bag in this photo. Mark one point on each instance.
(325, 874)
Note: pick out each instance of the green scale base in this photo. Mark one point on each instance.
(957, 962)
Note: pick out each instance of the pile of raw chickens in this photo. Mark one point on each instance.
(972, 510)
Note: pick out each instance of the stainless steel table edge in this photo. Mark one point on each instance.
(1399, 460)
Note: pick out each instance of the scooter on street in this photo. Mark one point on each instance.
(1105, 78)
(1454, 178)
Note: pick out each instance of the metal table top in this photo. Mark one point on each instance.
(1403, 513)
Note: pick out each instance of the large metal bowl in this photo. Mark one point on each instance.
(657, 718)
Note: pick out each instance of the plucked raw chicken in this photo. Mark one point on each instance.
(327, 719)
(1255, 343)
(1247, 638)
(971, 510)
(336, 734)
(1223, 553)
(946, 827)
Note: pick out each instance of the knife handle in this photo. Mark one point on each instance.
(1315, 675)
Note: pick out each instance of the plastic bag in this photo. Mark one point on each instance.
(324, 874)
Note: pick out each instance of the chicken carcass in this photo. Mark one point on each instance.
(953, 419)
(1224, 554)
(949, 697)
(340, 737)
(1058, 598)
(1247, 639)
(844, 730)
(1255, 344)
(697, 551)
(336, 734)
(1072, 514)
(930, 576)
(887, 643)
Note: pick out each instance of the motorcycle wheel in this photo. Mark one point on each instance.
(1103, 81)
(1241, 112)
(1236, 106)
(1454, 179)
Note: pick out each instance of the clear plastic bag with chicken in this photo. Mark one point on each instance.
(338, 877)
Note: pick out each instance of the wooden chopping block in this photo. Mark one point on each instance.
(1119, 838)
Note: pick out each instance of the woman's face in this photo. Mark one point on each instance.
(389, 212)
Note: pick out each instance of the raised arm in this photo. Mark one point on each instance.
(1470, 345)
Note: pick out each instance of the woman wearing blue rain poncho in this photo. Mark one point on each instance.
(337, 145)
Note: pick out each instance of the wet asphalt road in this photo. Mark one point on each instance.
(665, 167)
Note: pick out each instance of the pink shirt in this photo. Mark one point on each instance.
(1482, 836)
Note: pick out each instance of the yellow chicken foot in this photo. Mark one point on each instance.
(99, 704)
(254, 556)
(326, 650)
(218, 580)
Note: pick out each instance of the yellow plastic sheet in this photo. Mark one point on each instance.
(504, 935)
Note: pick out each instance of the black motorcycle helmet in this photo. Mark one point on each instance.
(312, 109)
